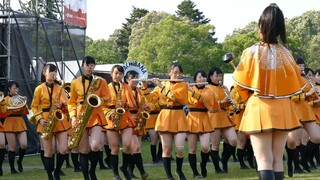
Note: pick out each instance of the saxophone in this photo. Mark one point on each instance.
(92, 101)
(54, 116)
(119, 110)
(143, 115)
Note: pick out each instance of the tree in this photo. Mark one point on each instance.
(102, 51)
(46, 8)
(141, 27)
(187, 8)
(121, 36)
(176, 38)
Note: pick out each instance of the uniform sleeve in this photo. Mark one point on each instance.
(35, 104)
(105, 93)
(178, 92)
(3, 108)
(208, 99)
(243, 93)
(72, 104)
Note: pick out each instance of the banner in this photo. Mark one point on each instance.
(75, 12)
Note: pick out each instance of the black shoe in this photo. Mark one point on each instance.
(219, 171)
(61, 173)
(69, 166)
(20, 167)
(181, 175)
(313, 167)
(56, 175)
(125, 173)
(305, 166)
(299, 171)
(203, 170)
(117, 178)
(197, 176)
(14, 171)
(144, 176)
(77, 170)
(244, 167)
(104, 167)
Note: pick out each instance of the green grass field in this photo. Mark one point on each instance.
(33, 169)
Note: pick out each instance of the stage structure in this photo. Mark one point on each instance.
(28, 40)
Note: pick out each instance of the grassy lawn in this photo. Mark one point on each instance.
(33, 169)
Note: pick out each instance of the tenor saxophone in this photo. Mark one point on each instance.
(119, 110)
(54, 116)
(143, 115)
(92, 101)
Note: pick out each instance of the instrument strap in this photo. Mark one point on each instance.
(84, 85)
(50, 93)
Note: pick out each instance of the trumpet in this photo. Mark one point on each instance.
(176, 80)
(17, 102)
(198, 83)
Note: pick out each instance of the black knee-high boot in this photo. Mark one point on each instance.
(227, 152)
(179, 172)
(167, 166)
(100, 160)
(193, 164)
(266, 175)
(203, 164)
(215, 160)
(75, 162)
(60, 159)
(49, 166)
(278, 175)
(249, 153)
(159, 153)
(68, 165)
(131, 165)
(2, 152)
(22, 152)
(240, 154)
(297, 168)
(108, 155)
(125, 163)
(137, 158)
(114, 162)
(11, 156)
(153, 150)
(317, 155)
(290, 153)
(311, 149)
(42, 156)
(84, 163)
(303, 160)
(94, 158)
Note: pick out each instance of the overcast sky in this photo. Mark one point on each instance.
(104, 16)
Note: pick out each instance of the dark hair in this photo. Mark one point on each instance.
(271, 24)
(175, 64)
(299, 60)
(203, 74)
(131, 73)
(212, 71)
(88, 60)
(118, 67)
(51, 68)
(317, 72)
(306, 70)
(11, 83)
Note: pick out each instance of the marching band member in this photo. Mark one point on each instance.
(3, 109)
(300, 138)
(199, 122)
(138, 130)
(221, 122)
(262, 78)
(45, 96)
(15, 128)
(91, 141)
(172, 123)
(155, 108)
(120, 122)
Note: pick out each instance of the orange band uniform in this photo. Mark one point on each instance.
(172, 97)
(316, 107)
(241, 106)
(41, 101)
(126, 96)
(14, 121)
(265, 79)
(220, 118)
(198, 117)
(97, 117)
(154, 106)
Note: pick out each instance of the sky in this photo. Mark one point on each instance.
(104, 16)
